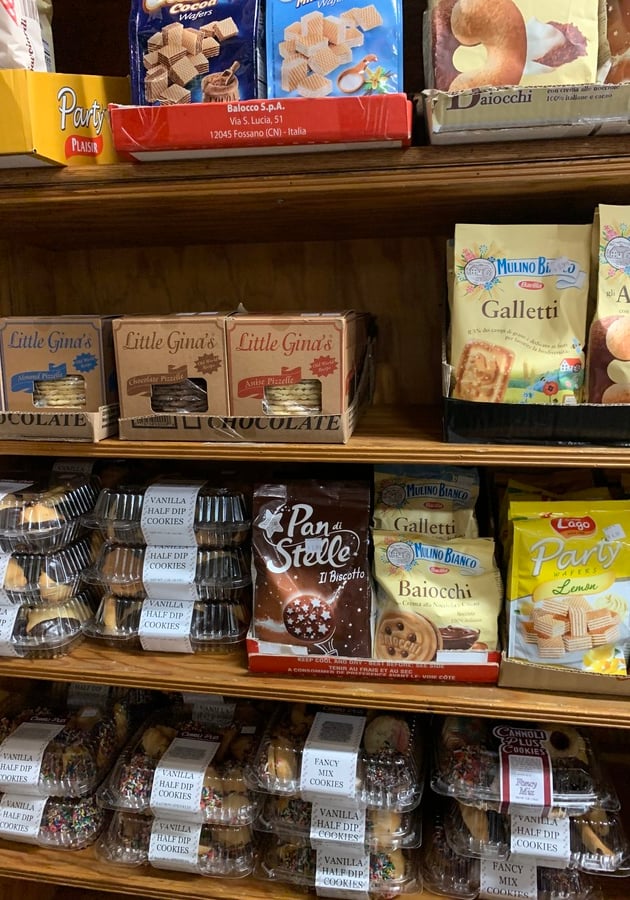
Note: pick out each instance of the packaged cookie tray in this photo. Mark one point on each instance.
(47, 577)
(598, 842)
(46, 632)
(220, 518)
(39, 518)
(385, 829)
(68, 752)
(225, 798)
(391, 872)
(467, 764)
(64, 823)
(215, 626)
(389, 773)
(445, 872)
(222, 851)
(219, 574)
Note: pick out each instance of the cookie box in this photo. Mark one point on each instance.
(446, 873)
(388, 769)
(385, 829)
(139, 572)
(45, 632)
(37, 518)
(478, 762)
(219, 515)
(216, 850)
(596, 840)
(48, 752)
(209, 785)
(62, 823)
(170, 625)
(42, 578)
(384, 873)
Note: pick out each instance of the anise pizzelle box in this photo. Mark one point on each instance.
(59, 378)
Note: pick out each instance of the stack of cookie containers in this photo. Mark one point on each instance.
(177, 793)
(43, 554)
(521, 809)
(342, 791)
(174, 567)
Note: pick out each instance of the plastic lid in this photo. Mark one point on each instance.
(53, 629)
(47, 577)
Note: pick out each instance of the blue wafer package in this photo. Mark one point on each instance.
(195, 51)
(341, 50)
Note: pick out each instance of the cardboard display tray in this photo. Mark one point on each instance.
(524, 675)
(60, 425)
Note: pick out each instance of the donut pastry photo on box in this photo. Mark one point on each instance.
(496, 43)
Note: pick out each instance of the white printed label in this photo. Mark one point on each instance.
(168, 514)
(21, 755)
(174, 845)
(178, 779)
(525, 774)
(168, 573)
(5, 559)
(528, 779)
(21, 817)
(8, 615)
(343, 873)
(82, 694)
(71, 466)
(329, 758)
(544, 839)
(337, 822)
(211, 709)
(165, 625)
(507, 880)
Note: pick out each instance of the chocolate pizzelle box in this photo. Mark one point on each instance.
(59, 377)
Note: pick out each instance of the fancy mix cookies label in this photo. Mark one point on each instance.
(434, 596)
(569, 585)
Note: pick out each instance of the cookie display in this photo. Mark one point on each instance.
(42, 578)
(66, 392)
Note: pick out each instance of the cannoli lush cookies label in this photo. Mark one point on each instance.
(608, 357)
(569, 584)
(434, 595)
(518, 313)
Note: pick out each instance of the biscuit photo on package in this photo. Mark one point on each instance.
(339, 50)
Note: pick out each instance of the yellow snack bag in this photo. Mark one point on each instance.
(568, 591)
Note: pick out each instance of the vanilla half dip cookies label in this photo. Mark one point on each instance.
(569, 584)
(434, 595)
(518, 313)
(608, 357)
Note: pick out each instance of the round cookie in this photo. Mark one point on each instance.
(406, 635)
(383, 825)
(616, 393)
(618, 338)
(387, 733)
(281, 763)
(308, 618)
(386, 866)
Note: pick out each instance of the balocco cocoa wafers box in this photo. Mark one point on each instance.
(171, 365)
(283, 364)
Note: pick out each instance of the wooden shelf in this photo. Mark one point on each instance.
(384, 434)
(227, 674)
(357, 194)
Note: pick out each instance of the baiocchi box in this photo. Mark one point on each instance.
(173, 364)
(61, 362)
(287, 364)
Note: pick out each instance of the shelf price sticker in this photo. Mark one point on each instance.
(174, 845)
(165, 625)
(81, 693)
(21, 755)
(8, 615)
(525, 776)
(210, 709)
(546, 840)
(21, 817)
(329, 757)
(337, 822)
(508, 880)
(168, 514)
(178, 778)
(168, 572)
(343, 873)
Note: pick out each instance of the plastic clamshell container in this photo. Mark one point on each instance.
(290, 817)
(224, 851)
(220, 575)
(389, 761)
(39, 518)
(66, 824)
(77, 758)
(295, 862)
(40, 578)
(221, 517)
(226, 799)
(467, 765)
(597, 838)
(46, 632)
(447, 873)
(216, 626)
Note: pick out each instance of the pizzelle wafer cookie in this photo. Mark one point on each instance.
(62, 392)
(185, 396)
(303, 397)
